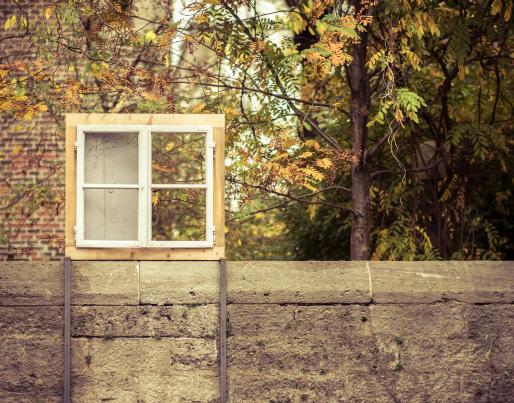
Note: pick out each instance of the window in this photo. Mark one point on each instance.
(145, 186)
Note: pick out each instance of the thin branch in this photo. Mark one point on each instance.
(329, 139)
(300, 198)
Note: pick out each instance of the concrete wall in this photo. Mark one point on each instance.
(298, 331)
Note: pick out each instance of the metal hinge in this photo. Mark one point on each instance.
(75, 234)
(213, 146)
(75, 146)
(213, 235)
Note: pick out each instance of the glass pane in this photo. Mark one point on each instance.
(110, 214)
(178, 158)
(178, 215)
(111, 158)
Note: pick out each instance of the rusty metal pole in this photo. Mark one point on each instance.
(223, 332)
(67, 330)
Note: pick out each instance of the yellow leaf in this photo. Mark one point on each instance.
(324, 163)
(508, 12)
(281, 156)
(28, 115)
(496, 7)
(305, 154)
(296, 22)
(16, 150)
(311, 210)
(312, 143)
(10, 22)
(150, 36)
(201, 18)
(399, 116)
(169, 146)
(42, 107)
(198, 107)
(307, 185)
(155, 199)
(48, 12)
(313, 173)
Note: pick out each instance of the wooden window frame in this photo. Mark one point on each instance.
(213, 248)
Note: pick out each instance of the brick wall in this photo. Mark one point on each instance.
(297, 331)
(31, 153)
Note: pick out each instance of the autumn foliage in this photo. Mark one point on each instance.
(384, 128)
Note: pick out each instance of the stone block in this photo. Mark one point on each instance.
(23, 321)
(297, 282)
(31, 347)
(186, 282)
(144, 369)
(398, 386)
(192, 386)
(332, 353)
(487, 385)
(31, 368)
(104, 283)
(282, 386)
(489, 320)
(151, 321)
(445, 320)
(298, 320)
(301, 339)
(141, 355)
(32, 283)
(426, 282)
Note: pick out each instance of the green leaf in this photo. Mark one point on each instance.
(344, 30)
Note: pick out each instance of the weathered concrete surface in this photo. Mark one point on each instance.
(433, 352)
(309, 321)
(31, 283)
(425, 282)
(199, 321)
(31, 346)
(105, 283)
(255, 282)
(275, 386)
(298, 331)
(297, 282)
(144, 370)
(179, 282)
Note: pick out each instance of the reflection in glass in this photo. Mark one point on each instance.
(111, 158)
(178, 158)
(110, 214)
(178, 215)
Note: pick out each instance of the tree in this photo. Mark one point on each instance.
(363, 58)
(385, 113)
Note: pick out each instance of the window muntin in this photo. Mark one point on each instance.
(179, 158)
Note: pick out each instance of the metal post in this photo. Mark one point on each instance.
(223, 331)
(67, 330)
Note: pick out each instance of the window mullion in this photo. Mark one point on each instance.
(148, 179)
(209, 197)
(143, 186)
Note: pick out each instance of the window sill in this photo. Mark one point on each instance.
(144, 253)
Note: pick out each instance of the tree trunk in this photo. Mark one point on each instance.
(360, 101)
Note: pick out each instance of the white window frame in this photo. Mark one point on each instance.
(145, 186)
